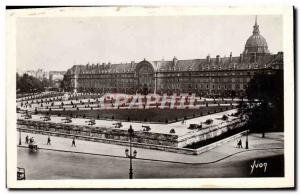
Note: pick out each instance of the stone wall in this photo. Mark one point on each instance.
(208, 132)
(101, 132)
(144, 139)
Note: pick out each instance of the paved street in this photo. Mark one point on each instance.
(60, 165)
(98, 160)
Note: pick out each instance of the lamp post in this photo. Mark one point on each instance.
(129, 154)
(247, 146)
(20, 141)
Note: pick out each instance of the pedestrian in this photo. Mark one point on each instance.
(73, 142)
(240, 144)
(26, 139)
(49, 141)
(31, 140)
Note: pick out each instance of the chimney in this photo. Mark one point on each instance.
(208, 59)
(241, 58)
(131, 64)
(174, 60)
(218, 59)
(230, 57)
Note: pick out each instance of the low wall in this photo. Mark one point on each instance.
(101, 132)
(203, 134)
(213, 145)
(143, 137)
(111, 141)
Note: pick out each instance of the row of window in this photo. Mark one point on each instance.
(175, 74)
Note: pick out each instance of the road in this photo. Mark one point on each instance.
(48, 164)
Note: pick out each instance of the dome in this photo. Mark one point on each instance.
(256, 43)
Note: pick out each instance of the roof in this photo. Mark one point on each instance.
(219, 63)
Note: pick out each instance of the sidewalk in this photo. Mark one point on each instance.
(272, 144)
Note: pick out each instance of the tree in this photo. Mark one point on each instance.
(265, 110)
(28, 84)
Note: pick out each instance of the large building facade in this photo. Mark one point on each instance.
(211, 76)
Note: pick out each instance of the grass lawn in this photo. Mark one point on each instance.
(143, 115)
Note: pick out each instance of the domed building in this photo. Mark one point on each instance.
(256, 43)
(211, 76)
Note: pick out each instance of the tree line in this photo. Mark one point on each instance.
(268, 114)
(28, 84)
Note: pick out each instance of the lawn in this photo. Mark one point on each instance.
(142, 115)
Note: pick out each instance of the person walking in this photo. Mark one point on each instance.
(73, 142)
(31, 140)
(27, 139)
(49, 141)
(240, 144)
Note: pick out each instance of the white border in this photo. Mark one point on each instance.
(287, 181)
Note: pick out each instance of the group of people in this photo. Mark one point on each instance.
(73, 142)
(29, 140)
(32, 141)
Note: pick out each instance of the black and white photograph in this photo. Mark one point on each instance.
(170, 97)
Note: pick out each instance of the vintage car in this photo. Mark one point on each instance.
(21, 173)
(91, 122)
(195, 126)
(117, 125)
(33, 146)
(146, 128)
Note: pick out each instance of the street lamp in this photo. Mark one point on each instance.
(20, 141)
(247, 147)
(129, 153)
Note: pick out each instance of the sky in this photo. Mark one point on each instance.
(59, 43)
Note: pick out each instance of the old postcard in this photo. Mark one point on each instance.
(150, 97)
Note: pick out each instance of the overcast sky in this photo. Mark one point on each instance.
(59, 43)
